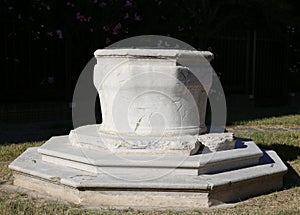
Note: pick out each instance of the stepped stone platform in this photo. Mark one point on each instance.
(96, 178)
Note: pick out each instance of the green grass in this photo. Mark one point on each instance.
(263, 116)
(281, 134)
(288, 120)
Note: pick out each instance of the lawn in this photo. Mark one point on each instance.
(279, 133)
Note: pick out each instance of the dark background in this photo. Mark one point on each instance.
(45, 44)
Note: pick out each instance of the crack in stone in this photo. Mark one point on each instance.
(179, 107)
(82, 175)
(138, 122)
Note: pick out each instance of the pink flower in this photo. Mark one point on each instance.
(91, 30)
(106, 28)
(128, 3)
(137, 17)
(79, 16)
(107, 40)
(116, 29)
(126, 16)
(59, 34)
(118, 26)
(50, 34)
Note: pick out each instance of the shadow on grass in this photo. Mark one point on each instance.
(235, 115)
(11, 133)
(287, 153)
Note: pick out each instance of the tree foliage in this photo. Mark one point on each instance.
(110, 20)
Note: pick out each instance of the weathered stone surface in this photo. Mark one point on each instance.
(168, 191)
(217, 141)
(59, 151)
(89, 136)
(152, 94)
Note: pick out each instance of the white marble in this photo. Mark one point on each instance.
(152, 94)
(217, 142)
(167, 192)
(59, 151)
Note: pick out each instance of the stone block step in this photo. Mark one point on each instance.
(59, 151)
(141, 190)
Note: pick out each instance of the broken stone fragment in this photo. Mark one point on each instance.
(213, 142)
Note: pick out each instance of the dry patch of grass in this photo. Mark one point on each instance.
(8, 152)
(283, 202)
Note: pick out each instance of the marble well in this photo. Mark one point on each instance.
(153, 149)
